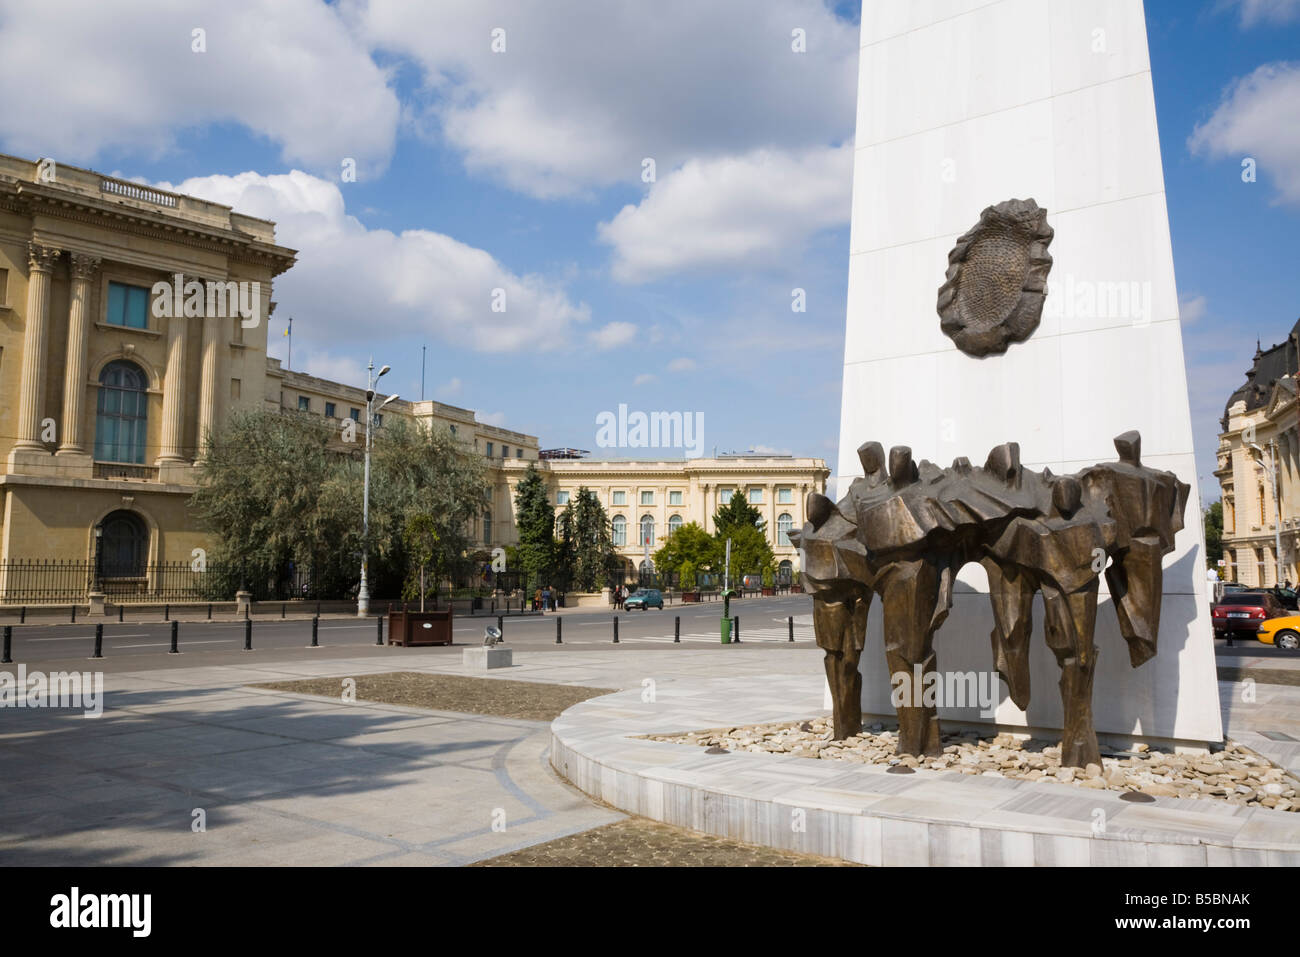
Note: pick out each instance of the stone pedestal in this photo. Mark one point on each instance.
(98, 603)
(243, 603)
(482, 658)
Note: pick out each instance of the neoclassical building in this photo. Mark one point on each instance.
(646, 500)
(1260, 431)
(107, 388)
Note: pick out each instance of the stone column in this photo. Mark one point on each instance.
(173, 420)
(208, 380)
(40, 260)
(74, 383)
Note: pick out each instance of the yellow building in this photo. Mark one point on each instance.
(1259, 446)
(133, 321)
(646, 500)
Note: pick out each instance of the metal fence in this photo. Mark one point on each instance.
(54, 582)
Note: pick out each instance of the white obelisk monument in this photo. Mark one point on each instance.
(961, 105)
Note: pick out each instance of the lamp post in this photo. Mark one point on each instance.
(99, 558)
(363, 593)
(1277, 508)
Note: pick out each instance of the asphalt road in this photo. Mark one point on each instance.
(136, 646)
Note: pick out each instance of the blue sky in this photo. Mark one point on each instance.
(523, 170)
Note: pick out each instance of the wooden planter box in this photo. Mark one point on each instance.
(689, 597)
(413, 628)
(796, 589)
(768, 592)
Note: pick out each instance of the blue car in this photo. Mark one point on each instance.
(644, 598)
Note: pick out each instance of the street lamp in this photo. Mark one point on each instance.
(363, 594)
(1277, 507)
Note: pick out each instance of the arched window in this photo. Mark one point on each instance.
(124, 546)
(674, 523)
(784, 523)
(120, 414)
(619, 527)
(785, 572)
(647, 530)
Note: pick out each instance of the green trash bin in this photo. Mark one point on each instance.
(726, 631)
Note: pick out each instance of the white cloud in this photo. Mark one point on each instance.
(681, 365)
(613, 334)
(735, 212)
(585, 91)
(644, 378)
(1259, 118)
(491, 418)
(449, 389)
(1255, 12)
(345, 369)
(769, 450)
(1192, 309)
(354, 283)
(83, 77)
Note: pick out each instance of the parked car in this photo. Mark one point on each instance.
(1239, 614)
(1286, 597)
(1283, 632)
(644, 598)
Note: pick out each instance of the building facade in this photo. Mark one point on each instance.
(647, 500)
(108, 387)
(1259, 446)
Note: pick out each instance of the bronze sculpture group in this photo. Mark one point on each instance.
(904, 530)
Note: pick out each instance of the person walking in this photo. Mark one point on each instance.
(546, 599)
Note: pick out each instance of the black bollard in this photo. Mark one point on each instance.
(317, 609)
(792, 627)
(209, 611)
(248, 634)
(167, 612)
(9, 645)
(501, 626)
(616, 629)
(735, 629)
(379, 632)
(282, 611)
(99, 642)
(74, 614)
(175, 634)
(558, 621)
(121, 611)
(677, 629)
(315, 623)
(22, 615)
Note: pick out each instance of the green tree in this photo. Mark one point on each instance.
(687, 570)
(585, 549)
(689, 543)
(736, 513)
(279, 491)
(422, 545)
(750, 552)
(274, 498)
(535, 519)
(1213, 534)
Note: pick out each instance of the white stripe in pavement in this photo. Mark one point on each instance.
(87, 638)
(166, 644)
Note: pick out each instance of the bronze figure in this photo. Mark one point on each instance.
(904, 532)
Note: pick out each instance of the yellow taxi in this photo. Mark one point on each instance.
(1283, 632)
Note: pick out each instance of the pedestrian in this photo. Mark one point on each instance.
(546, 599)
(537, 600)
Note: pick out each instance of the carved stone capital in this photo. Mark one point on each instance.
(41, 257)
(84, 266)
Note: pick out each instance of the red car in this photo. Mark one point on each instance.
(1239, 614)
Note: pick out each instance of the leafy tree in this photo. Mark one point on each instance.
(535, 519)
(586, 546)
(277, 494)
(689, 543)
(421, 540)
(687, 570)
(1213, 534)
(736, 513)
(274, 497)
(750, 552)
